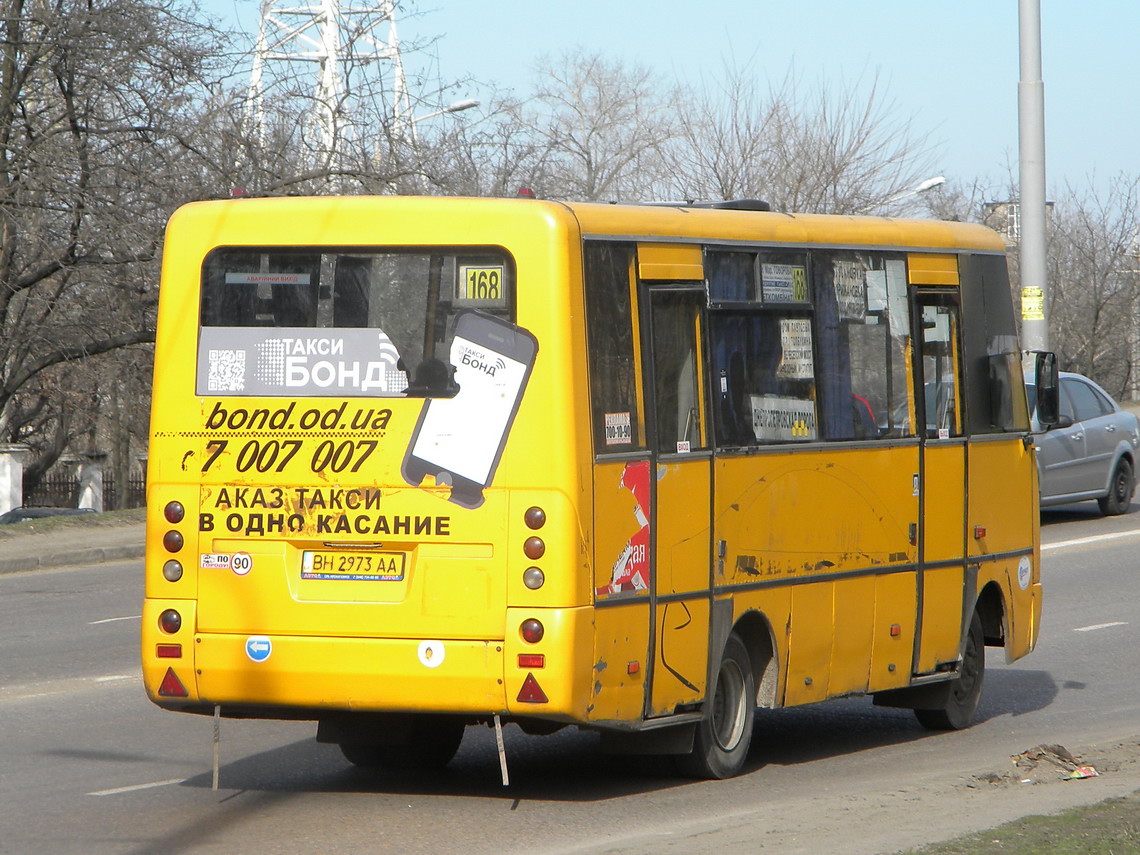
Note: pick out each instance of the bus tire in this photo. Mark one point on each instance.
(722, 738)
(431, 745)
(965, 689)
(1119, 497)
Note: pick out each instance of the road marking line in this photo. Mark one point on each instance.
(1100, 626)
(134, 787)
(1081, 541)
(62, 686)
(113, 619)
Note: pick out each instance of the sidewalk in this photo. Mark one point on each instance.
(68, 547)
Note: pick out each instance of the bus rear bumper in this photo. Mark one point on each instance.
(306, 676)
(346, 674)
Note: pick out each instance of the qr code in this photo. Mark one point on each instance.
(227, 371)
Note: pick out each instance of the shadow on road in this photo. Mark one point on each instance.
(570, 766)
(1077, 512)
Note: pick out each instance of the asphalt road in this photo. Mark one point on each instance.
(87, 765)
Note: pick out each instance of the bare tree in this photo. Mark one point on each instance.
(490, 155)
(1094, 275)
(94, 101)
(597, 127)
(826, 152)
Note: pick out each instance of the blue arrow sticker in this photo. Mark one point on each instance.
(258, 647)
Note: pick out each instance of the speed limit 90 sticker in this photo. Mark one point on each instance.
(239, 562)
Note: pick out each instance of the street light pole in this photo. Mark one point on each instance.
(453, 107)
(1031, 128)
(921, 187)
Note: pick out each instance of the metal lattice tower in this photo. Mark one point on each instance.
(327, 34)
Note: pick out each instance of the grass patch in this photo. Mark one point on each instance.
(1109, 828)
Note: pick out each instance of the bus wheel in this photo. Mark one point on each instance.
(1119, 491)
(965, 690)
(720, 745)
(431, 744)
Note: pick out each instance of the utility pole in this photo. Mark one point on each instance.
(327, 35)
(1031, 133)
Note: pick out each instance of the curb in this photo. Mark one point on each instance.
(72, 557)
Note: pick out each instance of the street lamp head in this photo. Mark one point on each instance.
(458, 106)
(930, 184)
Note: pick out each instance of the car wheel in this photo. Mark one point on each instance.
(965, 689)
(720, 745)
(1119, 497)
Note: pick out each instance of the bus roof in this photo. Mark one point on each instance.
(684, 222)
(643, 222)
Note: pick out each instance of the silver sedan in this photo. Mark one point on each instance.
(1091, 452)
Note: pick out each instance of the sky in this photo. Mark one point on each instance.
(951, 66)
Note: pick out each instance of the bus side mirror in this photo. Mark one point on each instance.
(1048, 389)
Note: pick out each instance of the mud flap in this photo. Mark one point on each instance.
(932, 696)
(666, 740)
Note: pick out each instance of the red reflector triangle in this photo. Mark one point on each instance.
(171, 686)
(531, 692)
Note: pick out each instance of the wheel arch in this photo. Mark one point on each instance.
(991, 609)
(755, 630)
(1124, 452)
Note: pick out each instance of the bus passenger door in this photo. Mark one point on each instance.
(681, 462)
(942, 538)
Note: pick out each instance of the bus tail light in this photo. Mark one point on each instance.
(531, 692)
(531, 630)
(532, 660)
(172, 570)
(534, 548)
(171, 686)
(534, 578)
(170, 621)
(173, 540)
(174, 512)
(535, 517)
(168, 651)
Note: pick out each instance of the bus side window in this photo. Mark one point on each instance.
(940, 368)
(864, 335)
(763, 377)
(615, 414)
(994, 394)
(679, 423)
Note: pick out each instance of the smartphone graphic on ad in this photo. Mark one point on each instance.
(459, 440)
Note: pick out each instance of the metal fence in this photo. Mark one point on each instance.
(52, 491)
(135, 496)
(62, 491)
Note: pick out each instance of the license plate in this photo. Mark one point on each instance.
(360, 566)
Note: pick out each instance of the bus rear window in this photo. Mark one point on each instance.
(301, 322)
